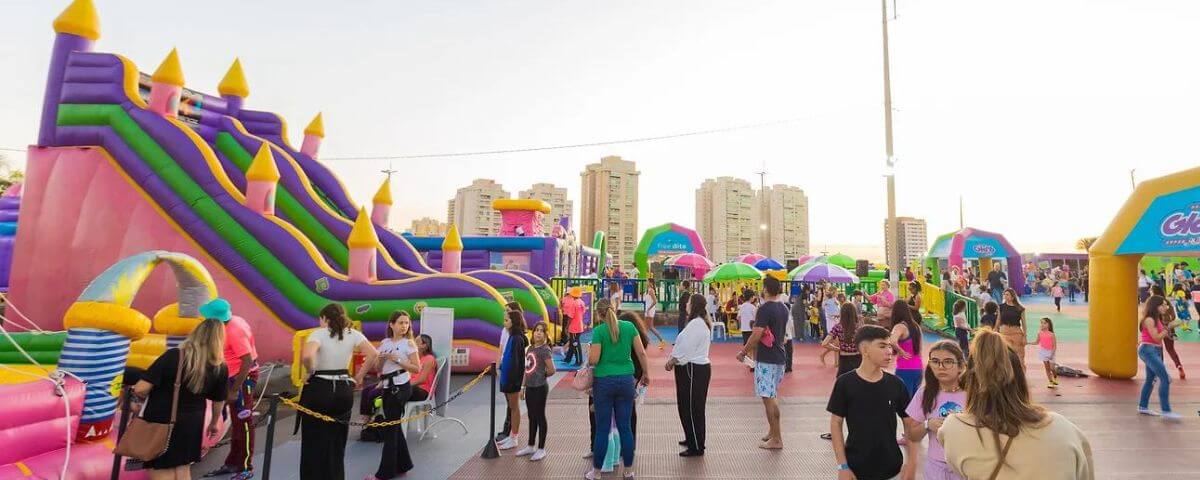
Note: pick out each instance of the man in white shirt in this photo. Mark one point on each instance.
(1144, 283)
(746, 313)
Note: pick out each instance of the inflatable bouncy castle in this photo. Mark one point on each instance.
(59, 389)
(128, 162)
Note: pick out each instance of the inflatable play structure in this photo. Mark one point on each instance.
(955, 249)
(1160, 218)
(663, 241)
(59, 388)
(127, 162)
(10, 207)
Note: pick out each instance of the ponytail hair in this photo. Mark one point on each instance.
(335, 315)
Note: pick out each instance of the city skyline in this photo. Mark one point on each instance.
(1015, 125)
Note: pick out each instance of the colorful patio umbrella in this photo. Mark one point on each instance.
(815, 272)
(805, 259)
(695, 262)
(768, 264)
(750, 258)
(733, 271)
(842, 260)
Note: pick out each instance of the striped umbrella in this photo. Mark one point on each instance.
(815, 272)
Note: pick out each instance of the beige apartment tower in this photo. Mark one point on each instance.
(609, 203)
(471, 209)
(556, 197)
(914, 240)
(726, 217)
(429, 227)
(783, 222)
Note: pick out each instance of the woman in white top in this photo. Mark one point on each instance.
(650, 298)
(397, 362)
(1003, 434)
(329, 390)
(690, 355)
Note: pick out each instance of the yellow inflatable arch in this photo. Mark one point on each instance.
(1161, 217)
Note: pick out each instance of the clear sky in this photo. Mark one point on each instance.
(1033, 111)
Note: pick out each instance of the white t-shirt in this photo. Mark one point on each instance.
(615, 299)
(711, 302)
(833, 313)
(960, 321)
(692, 344)
(335, 354)
(402, 349)
(746, 316)
(651, 304)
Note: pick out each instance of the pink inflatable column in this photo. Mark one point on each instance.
(452, 248)
(262, 178)
(313, 134)
(166, 86)
(233, 88)
(362, 243)
(381, 205)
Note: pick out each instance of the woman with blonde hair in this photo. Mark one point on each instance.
(203, 379)
(615, 343)
(1003, 434)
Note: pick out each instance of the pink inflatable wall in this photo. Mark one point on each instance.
(65, 243)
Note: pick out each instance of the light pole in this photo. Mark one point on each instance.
(891, 243)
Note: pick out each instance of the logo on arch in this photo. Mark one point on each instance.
(984, 249)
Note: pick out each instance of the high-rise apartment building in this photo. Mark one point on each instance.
(428, 227)
(726, 217)
(609, 203)
(471, 209)
(556, 197)
(914, 240)
(783, 222)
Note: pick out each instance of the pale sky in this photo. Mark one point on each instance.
(1033, 111)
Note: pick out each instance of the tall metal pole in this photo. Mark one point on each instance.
(892, 240)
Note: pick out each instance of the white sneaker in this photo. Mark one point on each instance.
(538, 455)
(507, 444)
(1147, 411)
(1171, 417)
(526, 450)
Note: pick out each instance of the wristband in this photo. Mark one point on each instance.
(844, 466)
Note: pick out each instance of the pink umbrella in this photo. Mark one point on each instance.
(749, 258)
(803, 260)
(696, 262)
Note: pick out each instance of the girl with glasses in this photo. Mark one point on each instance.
(941, 396)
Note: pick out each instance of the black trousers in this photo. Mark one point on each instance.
(592, 422)
(323, 444)
(691, 395)
(787, 349)
(395, 459)
(535, 404)
(848, 363)
(574, 349)
(963, 341)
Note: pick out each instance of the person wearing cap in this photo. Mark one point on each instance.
(572, 311)
(241, 357)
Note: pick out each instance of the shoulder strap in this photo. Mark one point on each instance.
(1003, 455)
(178, 380)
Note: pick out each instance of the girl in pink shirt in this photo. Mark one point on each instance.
(1047, 347)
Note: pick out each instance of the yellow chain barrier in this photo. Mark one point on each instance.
(294, 403)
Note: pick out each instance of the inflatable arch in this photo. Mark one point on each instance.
(1161, 217)
(101, 325)
(975, 244)
(666, 238)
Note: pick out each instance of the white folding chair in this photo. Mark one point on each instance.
(719, 327)
(412, 408)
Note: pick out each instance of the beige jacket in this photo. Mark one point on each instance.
(1054, 450)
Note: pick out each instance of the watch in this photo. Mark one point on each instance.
(844, 466)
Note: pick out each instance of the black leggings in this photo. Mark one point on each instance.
(574, 350)
(1058, 303)
(964, 341)
(535, 403)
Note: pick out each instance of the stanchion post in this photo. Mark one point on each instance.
(125, 407)
(270, 444)
(489, 449)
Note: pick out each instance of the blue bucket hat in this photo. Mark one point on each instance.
(217, 309)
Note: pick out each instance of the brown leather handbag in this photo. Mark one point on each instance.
(144, 440)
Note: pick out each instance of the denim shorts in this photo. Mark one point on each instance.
(766, 379)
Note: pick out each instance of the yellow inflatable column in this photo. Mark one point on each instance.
(1112, 315)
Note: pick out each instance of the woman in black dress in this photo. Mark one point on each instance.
(203, 380)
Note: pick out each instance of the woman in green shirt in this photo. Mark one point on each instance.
(613, 388)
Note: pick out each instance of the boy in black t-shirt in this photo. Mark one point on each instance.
(869, 400)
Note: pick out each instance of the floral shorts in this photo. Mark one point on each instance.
(766, 379)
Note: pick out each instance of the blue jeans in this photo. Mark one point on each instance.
(911, 378)
(1152, 356)
(613, 396)
(998, 295)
